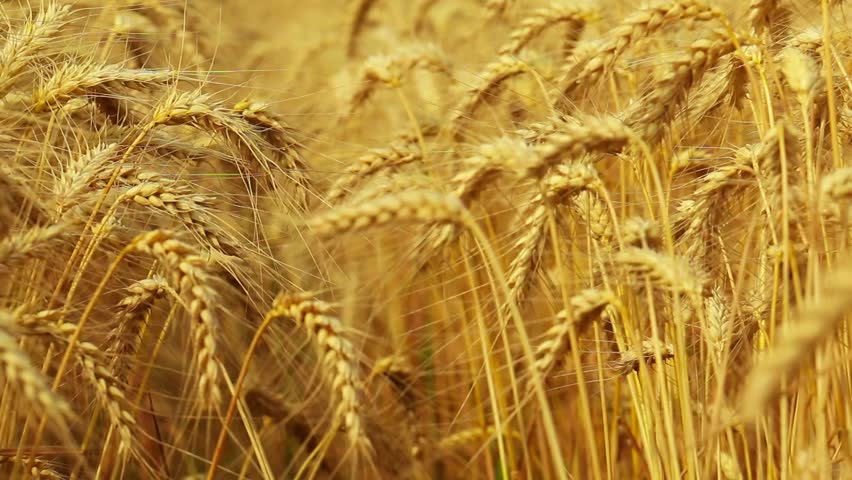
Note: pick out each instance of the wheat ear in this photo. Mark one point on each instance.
(412, 206)
(123, 340)
(23, 45)
(669, 272)
(649, 117)
(591, 134)
(817, 320)
(596, 62)
(487, 87)
(71, 80)
(563, 183)
(532, 26)
(586, 307)
(337, 354)
(190, 276)
(374, 161)
(26, 379)
(629, 361)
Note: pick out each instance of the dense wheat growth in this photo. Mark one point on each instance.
(461, 239)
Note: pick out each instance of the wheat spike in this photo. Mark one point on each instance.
(817, 320)
(189, 275)
(414, 206)
(573, 16)
(337, 354)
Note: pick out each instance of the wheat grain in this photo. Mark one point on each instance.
(596, 62)
(586, 307)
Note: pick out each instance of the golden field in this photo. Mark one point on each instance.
(461, 239)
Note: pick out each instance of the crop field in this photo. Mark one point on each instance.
(425, 239)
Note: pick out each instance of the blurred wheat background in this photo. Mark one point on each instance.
(461, 239)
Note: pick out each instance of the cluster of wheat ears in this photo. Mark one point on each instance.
(429, 239)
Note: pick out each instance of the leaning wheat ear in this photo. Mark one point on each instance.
(23, 45)
(413, 206)
(488, 86)
(596, 62)
(337, 354)
(565, 12)
(189, 275)
(23, 377)
(559, 187)
(586, 307)
(818, 319)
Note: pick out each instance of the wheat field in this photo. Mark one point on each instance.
(449, 239)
